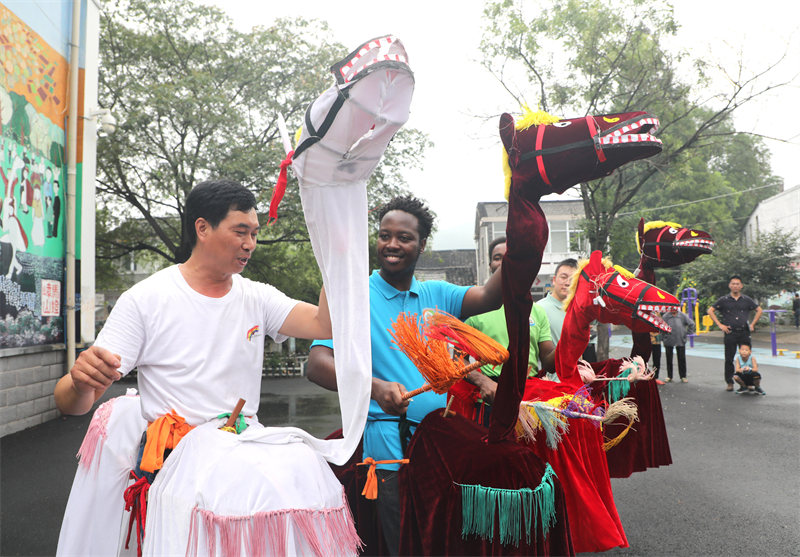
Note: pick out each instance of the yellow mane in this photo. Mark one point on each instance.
(650, 226)
(624, 272)
(529, 118)
(581, 264)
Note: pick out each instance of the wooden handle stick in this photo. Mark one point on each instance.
(235, 414)
(427, 386)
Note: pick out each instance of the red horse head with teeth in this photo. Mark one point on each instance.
(668, 244)
(609, 294)
(552, 155)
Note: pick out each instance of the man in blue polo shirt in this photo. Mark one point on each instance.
(405, 224)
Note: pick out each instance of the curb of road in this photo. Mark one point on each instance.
(716, 351)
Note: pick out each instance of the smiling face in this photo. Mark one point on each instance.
(497, 257)
(398, 247)
(230, 244)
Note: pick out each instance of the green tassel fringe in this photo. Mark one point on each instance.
(617, 390)
(518, 508)
(239, 425)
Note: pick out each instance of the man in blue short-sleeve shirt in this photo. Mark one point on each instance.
(405, 224)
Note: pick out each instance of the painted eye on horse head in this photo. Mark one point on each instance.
(622, 282)
(673, 230)
(562, 124)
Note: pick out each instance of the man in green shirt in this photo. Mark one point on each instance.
(493, 324)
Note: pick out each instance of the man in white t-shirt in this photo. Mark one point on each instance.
(195, 331)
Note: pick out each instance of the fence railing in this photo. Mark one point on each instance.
(285, 366)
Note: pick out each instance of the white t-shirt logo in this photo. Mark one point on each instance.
(252, 332)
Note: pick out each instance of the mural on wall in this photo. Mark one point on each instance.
(33, 107)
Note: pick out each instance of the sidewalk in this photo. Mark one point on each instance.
(709, 345)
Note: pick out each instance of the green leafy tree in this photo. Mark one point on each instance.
(579, 57)
(195, 98)
(596, 57)
(765, 267)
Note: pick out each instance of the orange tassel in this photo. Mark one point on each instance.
(164, 433)
(370, 490)
(431, 355)
(443, 326)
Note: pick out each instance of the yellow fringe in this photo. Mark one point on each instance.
(611, 443)
(650, 226)
(529, 118)
(624, 272)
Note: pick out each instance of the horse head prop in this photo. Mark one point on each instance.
(608, 294)
(552, 155)
(668, 244)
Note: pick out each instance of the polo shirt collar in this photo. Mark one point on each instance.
(390, 291)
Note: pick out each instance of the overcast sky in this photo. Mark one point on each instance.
(452, 90)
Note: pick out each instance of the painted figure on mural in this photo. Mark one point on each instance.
(25, 191)
(37, 230)
(56, 212)
(12, 233)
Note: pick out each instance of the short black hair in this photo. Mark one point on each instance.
(412, 206)
(568, 262)
(735, 277)
(211, 200)
(496, 242)
(745, 344)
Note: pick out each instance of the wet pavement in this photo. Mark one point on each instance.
(733, 487)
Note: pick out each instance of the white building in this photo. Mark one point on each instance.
(565, 238)
(779, 212)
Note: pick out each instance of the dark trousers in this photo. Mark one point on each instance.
(389, 508)
(681, 351)
(590, 354)
(655, 354)
(732, 341)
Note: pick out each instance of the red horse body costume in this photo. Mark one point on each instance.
(450, 454)
(661, 245)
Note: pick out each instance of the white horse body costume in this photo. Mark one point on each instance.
(95, 520)
(270, 491)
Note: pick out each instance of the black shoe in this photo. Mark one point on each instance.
(760, 391)
(741, 390)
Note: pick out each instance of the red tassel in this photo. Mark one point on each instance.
(136, 502)
(280, 188)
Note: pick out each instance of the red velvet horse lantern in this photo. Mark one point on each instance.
(449, 457)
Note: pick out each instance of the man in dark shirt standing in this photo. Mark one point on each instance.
(734, 311)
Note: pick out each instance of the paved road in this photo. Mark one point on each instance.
(733, 489)
(734, 486)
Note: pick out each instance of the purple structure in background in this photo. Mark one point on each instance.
(773, 333)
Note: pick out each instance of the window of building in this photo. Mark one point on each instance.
(565, 237)
(498, 229)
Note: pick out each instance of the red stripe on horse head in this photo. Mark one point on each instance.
(540, 159)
